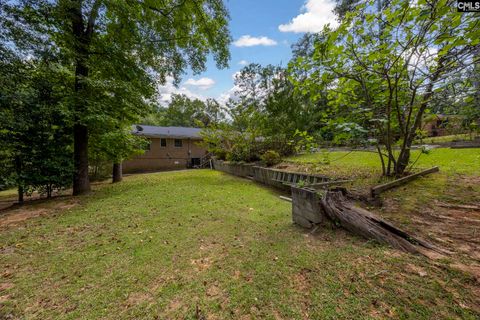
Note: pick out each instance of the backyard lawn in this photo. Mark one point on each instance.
(451, 161)
(205, 245)
(434, 207)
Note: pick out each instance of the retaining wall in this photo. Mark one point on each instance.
(306, 208)
(237, 169)
(272, 177)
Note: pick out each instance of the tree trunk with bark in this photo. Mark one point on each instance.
(20, 194)
(81, 181)
(82, 33)
(411, 130)
(18, 171)
(117, 175)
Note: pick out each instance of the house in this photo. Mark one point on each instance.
(441, 125)
(170, 148)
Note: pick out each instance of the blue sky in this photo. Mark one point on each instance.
(263, 32)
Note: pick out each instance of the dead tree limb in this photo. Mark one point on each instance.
(375, 191)
(364, 223)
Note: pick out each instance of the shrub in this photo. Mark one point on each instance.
(220, 154)
(271, 158)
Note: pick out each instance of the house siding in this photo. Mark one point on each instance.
(160, 158)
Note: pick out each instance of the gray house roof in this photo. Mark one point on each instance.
(167, 132)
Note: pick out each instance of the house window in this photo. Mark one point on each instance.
(163, 143)
(178, 143)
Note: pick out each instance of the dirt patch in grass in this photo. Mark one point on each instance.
(470, 269)
(419, 207)
(301, 284)
(300, 280)
(176, 306)
(137, 298)
(20, 215)
(17, 215)
(457, 230)
(6, 286)
(201, 264)
(212, 261)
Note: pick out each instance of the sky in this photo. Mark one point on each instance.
(263, 32)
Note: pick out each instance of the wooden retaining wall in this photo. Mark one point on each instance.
(272, 177)
(306, 208)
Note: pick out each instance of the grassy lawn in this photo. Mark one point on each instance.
(417, 206)
(201, 244)
(444, 139)
(361, 163)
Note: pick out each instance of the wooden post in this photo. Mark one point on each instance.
(375, 191)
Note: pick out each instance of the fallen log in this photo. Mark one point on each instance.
(364, 223)
(375, 191)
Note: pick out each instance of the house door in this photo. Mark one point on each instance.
(195, 162)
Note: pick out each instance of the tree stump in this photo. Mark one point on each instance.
(341, 210)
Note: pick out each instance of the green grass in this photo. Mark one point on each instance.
(416, 206)
(9, 193)
(444, 139)
(451, 161)
(200, 243)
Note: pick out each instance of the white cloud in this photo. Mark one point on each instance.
(202, 83)
(316, 14)
(227, 95)
(243, 62)
(166, 91)
(249, 41)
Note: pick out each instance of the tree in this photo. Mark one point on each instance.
(113, 145)
(35, 137)
(386, 64)
(119, 49)
(267, 105)
(183, 111)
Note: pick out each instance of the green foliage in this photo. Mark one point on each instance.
(301, 183)
(271, 158)
(303, 142)
(113, 146)
(217, 140)
(325, 156)
(380, 69)
(116, 53)
(185, 112)
(226, 143)
(421, 134)
(35, 137)
(266, 103)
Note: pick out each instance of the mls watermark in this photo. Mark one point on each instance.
(468, 6)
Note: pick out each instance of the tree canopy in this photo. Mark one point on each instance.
(115, 54)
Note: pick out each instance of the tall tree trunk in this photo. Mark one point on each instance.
(117, 172)
(476, 85)
(81, 181)
(404, 156)
(20, 194)
(384, 172)
(82, 33)
(18, 170)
